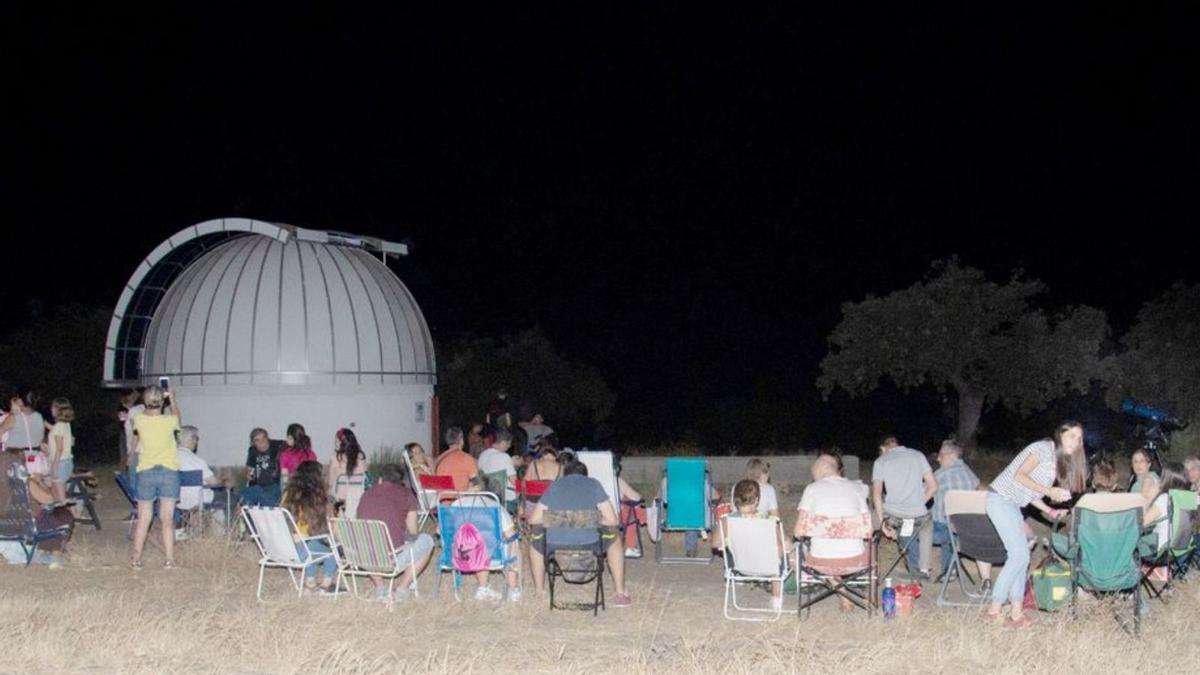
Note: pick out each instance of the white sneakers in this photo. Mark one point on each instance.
(514, 594)
(776, 603)
(486, 593)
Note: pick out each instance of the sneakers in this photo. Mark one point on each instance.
(777, 604)
(180, 534)
(622, 600)
(169, 565)
(330, 590)
(986, 587)
(486, 593)
(632, 553)
(514, 594)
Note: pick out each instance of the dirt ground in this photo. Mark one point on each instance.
(97, 615)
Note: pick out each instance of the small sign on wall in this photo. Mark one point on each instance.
(420, 411)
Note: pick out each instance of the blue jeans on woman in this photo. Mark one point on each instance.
(1010, 525)
(317, 547)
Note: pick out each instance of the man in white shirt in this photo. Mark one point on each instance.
(496, 459)
(192, 496)
(830, 496)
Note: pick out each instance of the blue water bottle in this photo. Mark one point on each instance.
(889, 599)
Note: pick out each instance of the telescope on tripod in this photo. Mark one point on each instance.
(1153, 426)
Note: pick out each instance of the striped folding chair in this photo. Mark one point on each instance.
(366, 550)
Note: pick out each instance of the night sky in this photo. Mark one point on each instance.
(682, 199)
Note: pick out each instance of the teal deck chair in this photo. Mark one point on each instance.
(685, 505)
(481, 509)
(1102, 548)
(1181, 519)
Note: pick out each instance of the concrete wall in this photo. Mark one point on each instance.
(378, 415)
(792, 469)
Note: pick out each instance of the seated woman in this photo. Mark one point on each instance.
(297, 451)
(1154, 542)
(746, 496)
(543, 463)
(41, 497)
(419, 461)
(306, 499)
(1144, 480)
(1192, 466)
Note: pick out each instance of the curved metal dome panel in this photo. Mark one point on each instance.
(261, 310)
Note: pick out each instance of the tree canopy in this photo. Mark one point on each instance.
(961, 333)
(572, 396)
(1160, 362)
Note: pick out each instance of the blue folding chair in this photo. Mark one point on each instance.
(19, 523)
(686, 505)
(481, 509)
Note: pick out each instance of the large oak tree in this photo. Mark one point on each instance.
(982, 341)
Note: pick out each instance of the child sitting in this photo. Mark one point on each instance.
(759, 471)
(747, 504)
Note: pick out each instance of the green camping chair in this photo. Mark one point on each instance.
(685, 505)
(1181, 519)
(499, 484)
(1102, 548)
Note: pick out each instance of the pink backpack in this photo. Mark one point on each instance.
(470, 550)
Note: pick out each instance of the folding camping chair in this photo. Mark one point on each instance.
(753, 556)
(427, 499)
(481, 509)
(185, 518)
(19, 524)
(498, 483)
(366, 551)
(903, 548)
(855, 578)
(686, 506)
(274, 531)
(973, 535)
(1181, 518)
(354, 486)
(579, 562)
(1102, 548)
(79, 489)
(529, 493)
(126, 489)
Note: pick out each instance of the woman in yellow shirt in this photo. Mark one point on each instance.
(157, 473)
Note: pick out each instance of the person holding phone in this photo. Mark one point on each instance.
(157, 473)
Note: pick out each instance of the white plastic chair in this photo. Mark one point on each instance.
(428, 499)
(274, 531)
(602, 467)
(752, 556)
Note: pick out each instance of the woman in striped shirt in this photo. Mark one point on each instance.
(1031, 476)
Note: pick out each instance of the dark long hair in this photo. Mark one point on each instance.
(301, 439)
(1174, 477)
(305, 496)
(1070, 469)
(348, 450)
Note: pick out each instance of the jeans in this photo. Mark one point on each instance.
(941, 537)
(261, 495)
(1010, 525)
(317, 547)
(157, 482)
(919, 554)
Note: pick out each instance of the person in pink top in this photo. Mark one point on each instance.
(298, 449)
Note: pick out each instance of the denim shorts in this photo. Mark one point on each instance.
(66, 467)
(157, 482)
(422, 546)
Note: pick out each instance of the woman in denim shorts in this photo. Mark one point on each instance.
(157, 473)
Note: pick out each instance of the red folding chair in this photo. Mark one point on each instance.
(529, 492)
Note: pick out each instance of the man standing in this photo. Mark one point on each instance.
(908, 480)
(535, 430)
(953, 474)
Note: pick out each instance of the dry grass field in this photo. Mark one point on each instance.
(96, 615)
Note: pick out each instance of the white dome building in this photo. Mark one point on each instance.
(260, 325)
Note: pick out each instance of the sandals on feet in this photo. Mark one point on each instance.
(136, 564)
(1019, 624)
(169, 565)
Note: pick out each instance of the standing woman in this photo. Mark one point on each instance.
(297, 451)
(349, 460)
(1031, 476)
(1145, 481)
(157, 473)
(62, 442)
